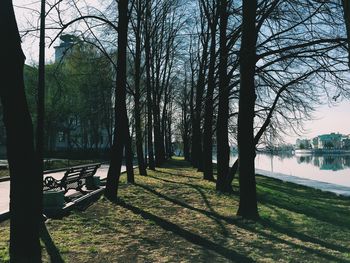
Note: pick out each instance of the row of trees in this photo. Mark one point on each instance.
(283, 59)
(242, 72)
(238, 74)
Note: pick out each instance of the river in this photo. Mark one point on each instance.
(328, 168)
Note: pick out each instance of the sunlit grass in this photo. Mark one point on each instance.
(172, 215)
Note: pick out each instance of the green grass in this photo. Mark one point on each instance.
(173, 216)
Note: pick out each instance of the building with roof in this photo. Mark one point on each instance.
(330, 141)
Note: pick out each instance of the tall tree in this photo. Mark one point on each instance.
(137, 77)
(197, 149)
(25, 208)
(246, 148)
(120, 136)
(185, 120)
(223, 150)
(209, 98)
(151, 162)
(41, 89)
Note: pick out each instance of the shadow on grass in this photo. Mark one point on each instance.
(301, 236)
(180, 175)
(176, 163)
(211, 214)
(265, 222)
(307, 202)
(189, 236)
(175, 182)
(51, 248)
(239, 223)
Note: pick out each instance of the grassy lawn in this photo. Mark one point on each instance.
(173, 216)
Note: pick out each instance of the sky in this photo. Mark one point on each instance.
(27, 17)
(327, 119)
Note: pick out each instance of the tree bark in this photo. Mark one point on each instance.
(209, 108)
(346, 10)
(196, 136)
(137, 77)
(223, 149)
(129, 159)
(120, 134)
(196, 151)
(185, 121)
(246, 147)
(41, 91)
(25, 183)
(151, 162)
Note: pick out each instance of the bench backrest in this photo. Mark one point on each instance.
(76, 176)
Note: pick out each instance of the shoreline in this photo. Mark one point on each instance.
(321, 151)
(337, 189)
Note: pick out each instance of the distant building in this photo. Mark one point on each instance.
(329, 141)
(67, 42)
(345, 142)
(334, 141)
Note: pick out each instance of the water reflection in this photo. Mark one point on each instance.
(330, 168)
(326, 162)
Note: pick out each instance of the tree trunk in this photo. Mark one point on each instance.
(25, 208)
(120, 135)
(139, 150)
(158, 138)
(129, 159)
(185, 122)
(41, 92)
(346, 9)
(246, 148)
(151, 163)
(169, 122)
(197, 150)
(190, 125)
(223, 149)
(209, 108)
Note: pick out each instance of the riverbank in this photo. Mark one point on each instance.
(173, 215)
(321, 151)
(323, 186)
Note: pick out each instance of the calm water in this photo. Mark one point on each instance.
(332, 168)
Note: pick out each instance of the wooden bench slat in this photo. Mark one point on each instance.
(74, 178)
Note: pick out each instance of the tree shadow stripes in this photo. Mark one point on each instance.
(239, 223)
(189, 236)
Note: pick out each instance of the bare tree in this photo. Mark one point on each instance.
(223, 149)
(121, 132)
(246, 149)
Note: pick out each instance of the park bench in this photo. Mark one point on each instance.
(74, 178)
